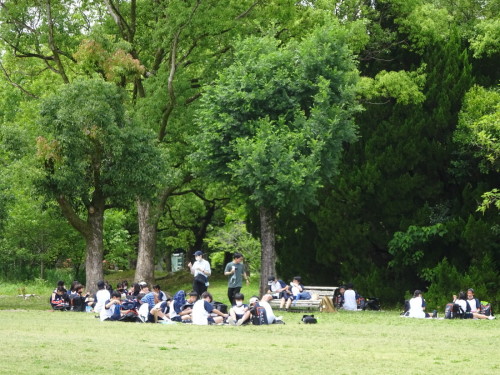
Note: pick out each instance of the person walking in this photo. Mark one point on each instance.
(236, 272)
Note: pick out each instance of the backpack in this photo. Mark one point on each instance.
(485, 308)
(179, 300)
(372, 303)
(453, 311)
(79, 303)
(259, 315)
(131, 316)
(309, 319)
(220, 306)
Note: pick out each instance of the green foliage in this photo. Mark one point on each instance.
(487, 38)
(405, 246)
(118, 247)
(276, 119)
(405, 87)
(479, 126)
(445, 281)
(89, 146)
(234, 237)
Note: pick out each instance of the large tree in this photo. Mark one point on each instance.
(274, 122)
(93, 158)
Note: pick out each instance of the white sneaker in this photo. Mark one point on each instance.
(231, 321)
(491, 317)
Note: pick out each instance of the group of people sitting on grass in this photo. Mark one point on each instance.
(155, 306)
(464, 306)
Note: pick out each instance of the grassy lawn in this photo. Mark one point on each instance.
(38, 341)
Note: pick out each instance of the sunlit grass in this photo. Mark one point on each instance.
(43, 342)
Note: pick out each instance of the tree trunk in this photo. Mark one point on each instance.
(268, 253)
(147, 242)
(95, 248)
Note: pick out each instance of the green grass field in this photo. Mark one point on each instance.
(38, 341)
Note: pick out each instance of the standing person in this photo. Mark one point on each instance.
(236, 271)
(201, 271)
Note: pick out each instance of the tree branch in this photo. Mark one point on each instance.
(119, 20)
(70, 214)
(246, 12)
(52, 44)
(16, 84)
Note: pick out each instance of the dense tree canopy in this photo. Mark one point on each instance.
(395, 197)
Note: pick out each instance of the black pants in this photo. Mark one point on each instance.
(230, 294)
(199, 287)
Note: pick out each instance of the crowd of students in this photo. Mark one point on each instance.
(155, 306)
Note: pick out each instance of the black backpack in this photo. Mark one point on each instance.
(309, 319)
(453, 311)
(259, 315)
(220, 306)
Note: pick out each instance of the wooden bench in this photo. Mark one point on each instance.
(317, 294)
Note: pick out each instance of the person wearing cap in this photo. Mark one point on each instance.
(236, 272)
(201, 271)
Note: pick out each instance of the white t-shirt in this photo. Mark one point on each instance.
(101, 296)
(416, 309)
(462, 303)
(204, 265)
(200, 313)
(106, 313)
(350, 302)
(473, 305)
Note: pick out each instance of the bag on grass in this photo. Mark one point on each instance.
(485, 308)
(453, 311)
(220, 306)
(309, 319)
(131, 316)
(372, 303)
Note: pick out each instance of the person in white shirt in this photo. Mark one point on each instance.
(111, 309)
(101, 296)
(201, 271)
(203, 310)
(417, 306)
(350, 298)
